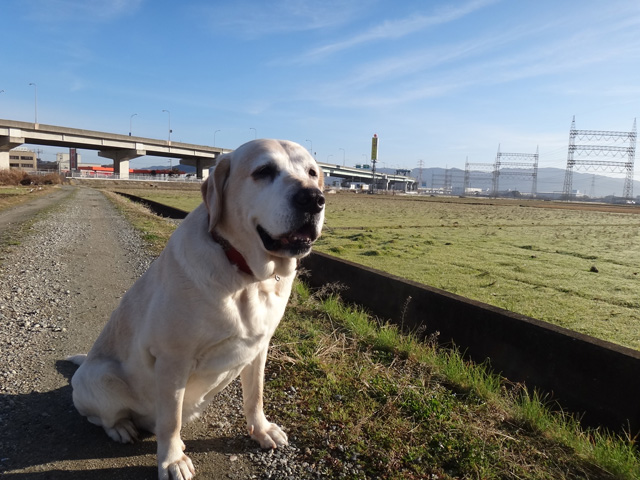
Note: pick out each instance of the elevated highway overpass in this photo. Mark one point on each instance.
(121, 149)
(384, 181)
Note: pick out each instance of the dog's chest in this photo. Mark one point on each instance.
(251, 317)
(262, 302)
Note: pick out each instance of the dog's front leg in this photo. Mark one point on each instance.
(171, 378)
(268, 434)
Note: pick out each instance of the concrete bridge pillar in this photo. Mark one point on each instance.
(121, 158)
(202, 169)
(7, 142)
(202, 165)
(121, 168)
(4, 160)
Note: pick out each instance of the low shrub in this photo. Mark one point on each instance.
(20, 177)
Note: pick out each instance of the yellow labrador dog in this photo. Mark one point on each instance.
(205, 310)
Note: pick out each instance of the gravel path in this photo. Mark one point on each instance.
(57, 289)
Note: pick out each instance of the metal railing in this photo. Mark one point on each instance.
(135, 177)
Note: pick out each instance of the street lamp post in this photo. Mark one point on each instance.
(35, 101)
(344, 153)
(328, 156)
(255, 132)
(130, 121)
(310, 146)
(169, 124)
(214, 137)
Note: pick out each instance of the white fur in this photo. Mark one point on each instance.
(193, 322)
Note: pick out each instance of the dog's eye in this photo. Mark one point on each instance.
(313, 173)
(265, 172)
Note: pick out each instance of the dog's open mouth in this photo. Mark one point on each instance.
(293, 243)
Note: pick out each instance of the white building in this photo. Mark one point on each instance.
(64, 161)
(21, 158)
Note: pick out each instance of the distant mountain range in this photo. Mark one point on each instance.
(182, 168)
(550, 180)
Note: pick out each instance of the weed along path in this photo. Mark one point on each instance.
(60, 277)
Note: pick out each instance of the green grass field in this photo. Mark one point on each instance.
(575, 267)
(539, 262)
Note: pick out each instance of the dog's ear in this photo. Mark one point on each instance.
(320, 178)
(213, 189)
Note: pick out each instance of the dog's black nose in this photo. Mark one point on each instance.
(310, 200)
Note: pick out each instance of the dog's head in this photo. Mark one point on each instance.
(266, 196)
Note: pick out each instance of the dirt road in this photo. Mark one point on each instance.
(57, 289)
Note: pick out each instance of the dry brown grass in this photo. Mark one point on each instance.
(20, 177)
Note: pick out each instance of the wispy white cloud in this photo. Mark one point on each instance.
(392, 29)
(608, 43)
(426, 60)
(252, 19)
(521, 53)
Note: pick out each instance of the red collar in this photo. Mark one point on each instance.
(234, 256)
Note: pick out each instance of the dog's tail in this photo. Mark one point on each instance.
(77, 359)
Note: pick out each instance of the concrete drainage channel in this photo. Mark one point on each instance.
(157, 208)
(596, 379)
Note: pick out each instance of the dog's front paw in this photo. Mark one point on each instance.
(181, 469)
(176, 467)
(271, 436)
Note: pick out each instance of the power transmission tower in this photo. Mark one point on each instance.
(465, 183)
(479, 174)
(517, 165)
(601, 144)
(451, 181)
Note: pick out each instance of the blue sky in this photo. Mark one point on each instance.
(438, 81)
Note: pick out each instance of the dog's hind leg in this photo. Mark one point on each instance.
(105, 399)
(123, 431)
